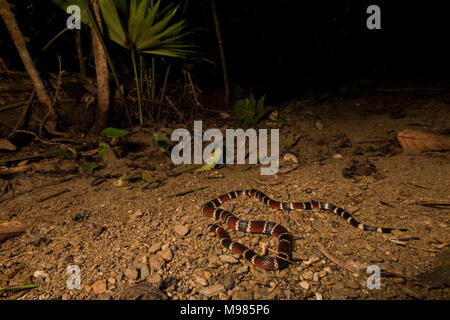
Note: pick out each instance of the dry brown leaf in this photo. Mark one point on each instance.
(9, 229)
(414, 140)
(6, 145)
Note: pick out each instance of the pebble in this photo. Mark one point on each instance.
(229, 281)
(41, 276)
(166, 254)
(300, 256)
(155, 247)
(131, 273)
(311, 260)
(243, 269)
(308, 275)
(347, 251)
(316, 277)
(99, 286)
(155, 280)
(352, 283)
(228, 259)
(145, 271)
(138, 214)
(243, 295)
(212, 291)
(181, 230)
(65, 296)
(304, 284)
(201, 281)
(156, 263)
(319, 296)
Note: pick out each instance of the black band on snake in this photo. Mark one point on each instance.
(211, 209)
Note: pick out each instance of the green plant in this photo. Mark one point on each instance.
(249, 110)
(114, 132)
(161, 141)
(143, 27)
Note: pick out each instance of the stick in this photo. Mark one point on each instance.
(24, 113)
(183, 193)
(56, 194)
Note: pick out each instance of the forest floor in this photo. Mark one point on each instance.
(139, 240)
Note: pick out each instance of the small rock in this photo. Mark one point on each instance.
(138, 214)
(300, 256)
(243, 295)
(99, 286)
(316, 277)
(304, 285)
(166, 254)
(181, 230)
(308, 275)
(228, 259)
(243, 269)
(112, 280)
(131, 273)
(352, 283)
(213, 290)
(65, 296)
(347, 251)
(156, 262)
(145, 271)
(229, 281)
(318, 296)
(142, 292)
(155, 280)
(201, 281)
(155, 247)
(41, 276)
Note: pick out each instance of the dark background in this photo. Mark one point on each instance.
(284, 48)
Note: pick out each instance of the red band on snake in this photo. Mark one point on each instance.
(211, 209)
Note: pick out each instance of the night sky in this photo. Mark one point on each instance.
(283, 47)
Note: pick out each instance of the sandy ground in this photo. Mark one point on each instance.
(119, 237)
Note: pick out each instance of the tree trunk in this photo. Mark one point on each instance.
(222, 54)
(21, 45)
(101, 67)
(80, 54)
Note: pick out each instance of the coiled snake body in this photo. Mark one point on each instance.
(211, 209)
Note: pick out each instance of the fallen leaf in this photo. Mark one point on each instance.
(414, 140)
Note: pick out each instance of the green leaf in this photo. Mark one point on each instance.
(162, 141)
(114, 25)
(114, 133)
(319, 125)
(89, 166)
(249, 111)
(211, 162)
(185, 168)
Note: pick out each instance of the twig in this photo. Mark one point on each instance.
(24, 113)
(355, 267)
(198, 104)
(55, 97)
(351, 266)
(404, 244)
(44, 154)
(434, 204)
(38, 138)
(56, 194)
(183, 193)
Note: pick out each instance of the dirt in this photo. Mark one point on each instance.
(142, 236)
